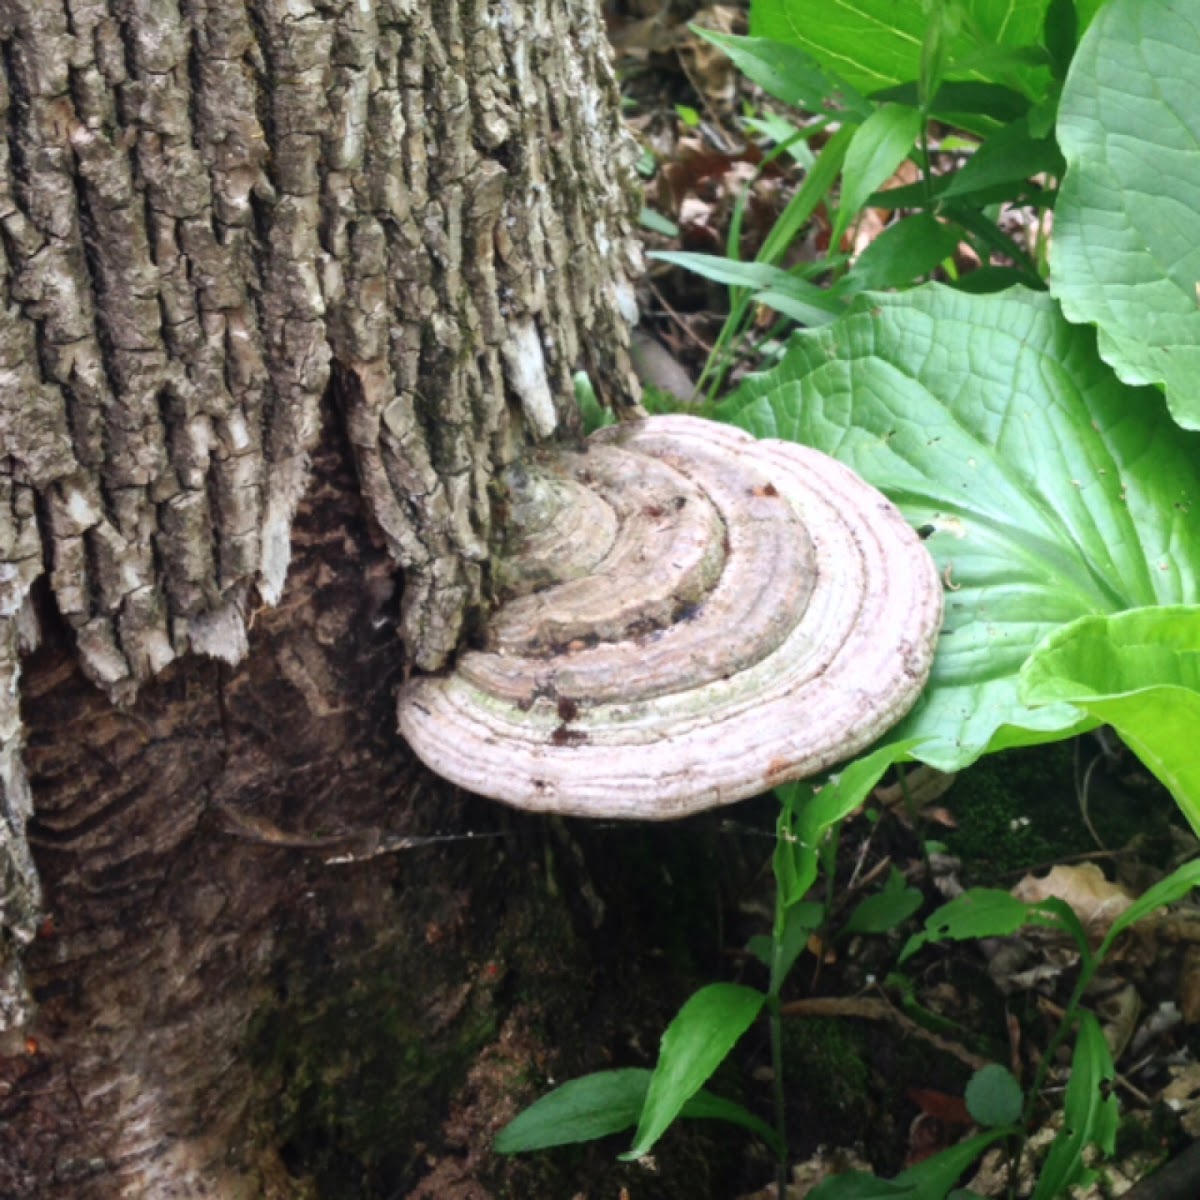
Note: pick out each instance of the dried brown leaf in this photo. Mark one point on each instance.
(1094, 900)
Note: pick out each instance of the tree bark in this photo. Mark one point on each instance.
(286, 284)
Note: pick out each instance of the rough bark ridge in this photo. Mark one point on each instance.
(209, 206)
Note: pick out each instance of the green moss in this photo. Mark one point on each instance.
(1014, 810)
(1021, 809)
(829, 1057)
(379, 1058)
(357, 1078)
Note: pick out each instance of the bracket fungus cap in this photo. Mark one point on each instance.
(730, 614)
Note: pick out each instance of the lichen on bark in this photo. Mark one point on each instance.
(211, 212)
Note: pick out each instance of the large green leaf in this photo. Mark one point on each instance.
(1126, 250)
(1053, 490)
(1138, 671)
(876, 44)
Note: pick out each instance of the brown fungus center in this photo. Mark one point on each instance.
(694, 617)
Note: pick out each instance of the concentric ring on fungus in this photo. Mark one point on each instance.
(729, 614)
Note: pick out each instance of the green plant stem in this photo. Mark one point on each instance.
(818, 182)
(993, 239)
(828, 854)
(910, 810)
(1057, 1038)
(775, 1024)
(723, 349)
(926, 164)
(775, 1020)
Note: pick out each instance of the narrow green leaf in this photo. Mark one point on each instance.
(794, 860)
(761, 946)
(801, 311)
(909, 195)
(990, 912)
(591, 1107)
(942, 21)
(884, 911)
(696, 1042)
(927, 194)
(1166, 891)
(994, 1096)
(989, 280)
(901, 254)
(991, 239)
(594, 414)
(815, 188)
(595, 1106)
(1010, 155)
(800, 920)
(1060, 34)
(878, 147)
(1126, 249)
(857, 1185)
(1090, 1111)
(954, 98)
(800, 291)
(657, 223)
(1044, 117)
(845, 791)
(931, 1179)
(704, 1106)
(1138, 671)
(980, 912)
(935, 1176)
(997, 62)
(1054, 911)
(807, 813)
(770, 285)
(789, 74)
(786, 136)
(719, 269)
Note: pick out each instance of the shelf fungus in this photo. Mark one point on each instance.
(692, 616)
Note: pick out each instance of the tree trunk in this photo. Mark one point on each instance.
(286, 284)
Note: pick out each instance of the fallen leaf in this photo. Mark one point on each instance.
(924, 785)
(1094, 900)
(950, 1110)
